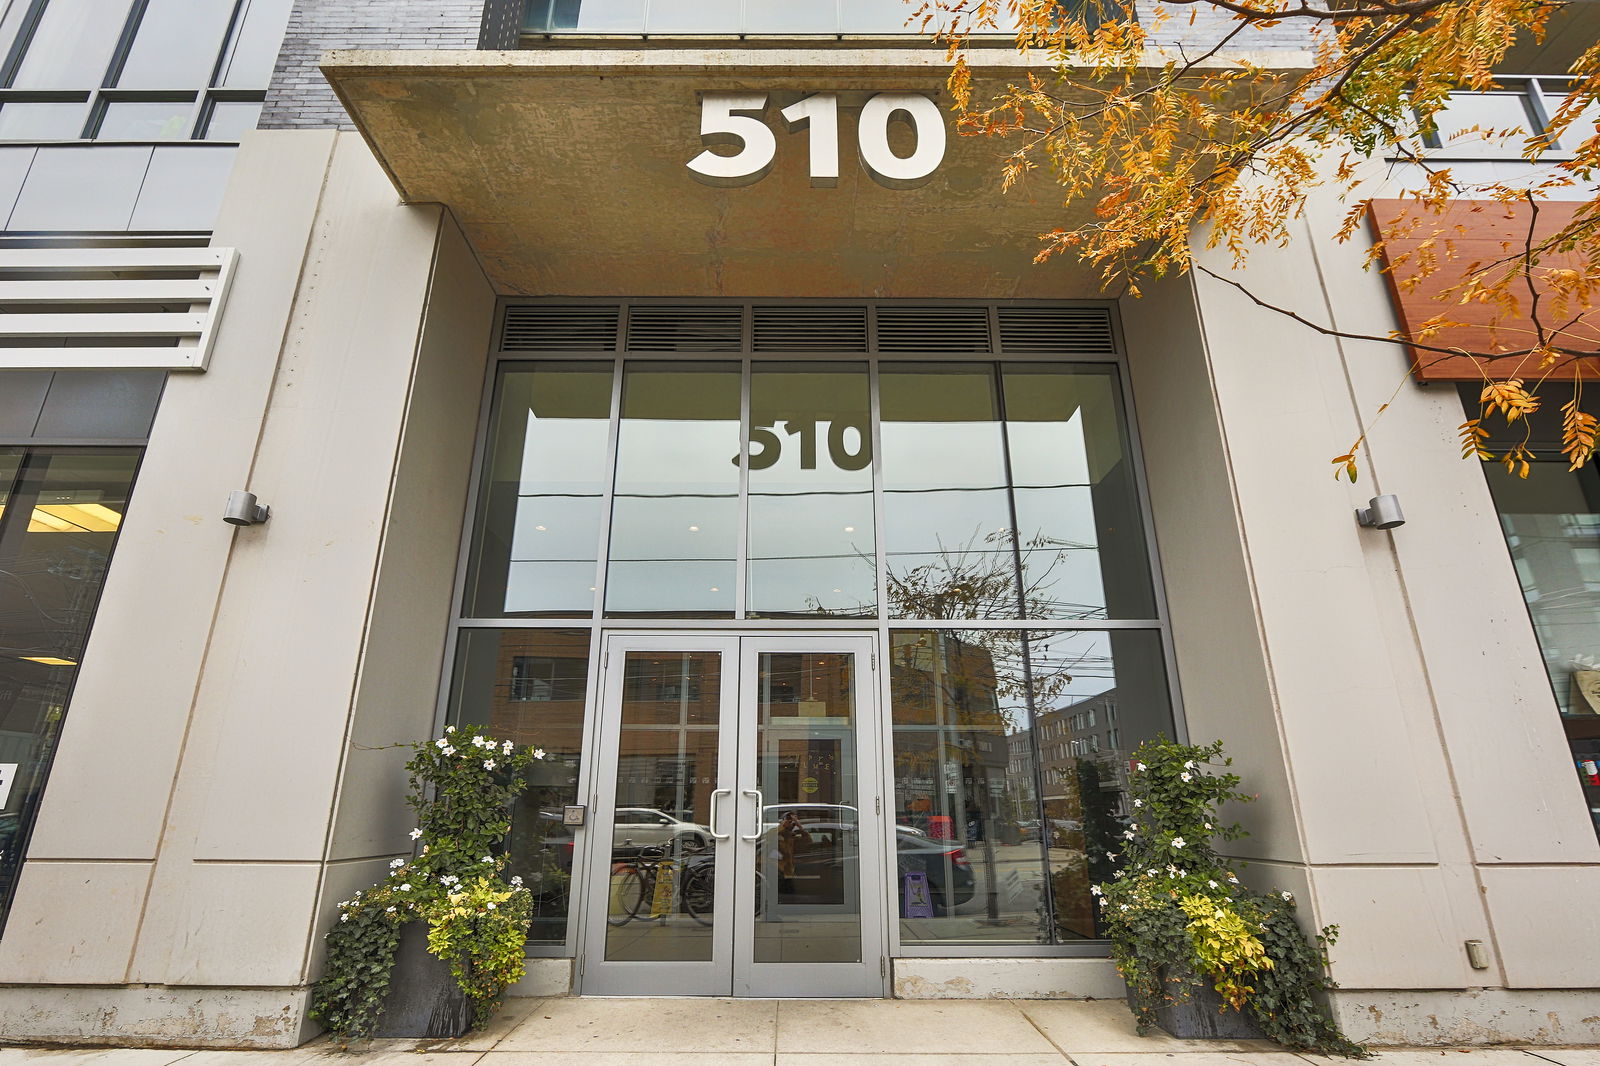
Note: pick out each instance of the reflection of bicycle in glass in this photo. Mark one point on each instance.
(688, 883)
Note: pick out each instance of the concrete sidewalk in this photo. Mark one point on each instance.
(730, 1032)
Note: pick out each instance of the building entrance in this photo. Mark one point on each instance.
(737, 841)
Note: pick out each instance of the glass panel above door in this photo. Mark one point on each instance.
(981, 490)
(675, 515)
(537, 535)
(810, 519)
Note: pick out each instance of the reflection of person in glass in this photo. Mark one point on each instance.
(790, 833)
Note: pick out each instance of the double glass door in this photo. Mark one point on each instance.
(736, 845)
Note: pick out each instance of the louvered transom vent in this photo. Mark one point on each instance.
(810, 329)
(846, 329)
(549, 328)
(1055, 331)
(685, 329)
(111, 308)
(933, 329)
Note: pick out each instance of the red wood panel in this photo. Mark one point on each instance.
(1469, 234)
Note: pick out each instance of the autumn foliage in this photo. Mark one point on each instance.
(1165, 118)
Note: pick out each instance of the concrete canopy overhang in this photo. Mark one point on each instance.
(567, 170)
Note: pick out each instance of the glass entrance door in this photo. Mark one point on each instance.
(736, 845)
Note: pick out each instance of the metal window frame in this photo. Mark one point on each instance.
(879, 626)
(201, 97)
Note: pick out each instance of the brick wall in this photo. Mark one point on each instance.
(300, 98)
(1211, 24)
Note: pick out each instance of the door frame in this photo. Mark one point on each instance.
(732, 969)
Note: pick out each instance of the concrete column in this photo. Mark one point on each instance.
(228, 774)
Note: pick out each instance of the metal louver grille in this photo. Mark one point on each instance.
(933, 329)
(848, 329)
(685, 329)
(1055, 331)
(545, 328)
(810, 329)
(123, 308)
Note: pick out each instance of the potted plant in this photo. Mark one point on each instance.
(1203, 955)
(475, 920)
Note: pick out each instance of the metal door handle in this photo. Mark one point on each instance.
(761, 806)
(719, 792)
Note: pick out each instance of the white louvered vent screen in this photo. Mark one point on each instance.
(111, 308)
(846, 329)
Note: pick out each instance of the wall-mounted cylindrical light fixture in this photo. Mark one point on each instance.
(1381, 512)
(243, 510)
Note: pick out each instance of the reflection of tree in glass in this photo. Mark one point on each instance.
(969, 581)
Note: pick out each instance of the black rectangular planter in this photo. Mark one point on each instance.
(424, 1000)
(1203, 1016)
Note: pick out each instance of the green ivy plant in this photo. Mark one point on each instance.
(1178, 916)
(462, 786)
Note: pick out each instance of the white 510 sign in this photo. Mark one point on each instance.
(726, 118)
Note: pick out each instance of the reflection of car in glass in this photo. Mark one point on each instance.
(644, 827)
(834, 847)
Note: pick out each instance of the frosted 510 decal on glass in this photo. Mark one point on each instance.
(734, 118)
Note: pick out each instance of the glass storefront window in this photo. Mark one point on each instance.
(59, 515)
(675, 514)
(824, 487)
(810, 519)
(731, 16)
(1079, 533)
(530, 686)
(539, 510)
(1010, 756)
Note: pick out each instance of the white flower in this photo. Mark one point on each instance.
(1178, 842)
(415, 833)
(1139, 766)
(442, 743)
(505, 749)
(344, 917)
(1189, 765)
(395, 864)
(1094, 890)
(1213, 884)
(406, 887)
(1182, 872)
(1123, 907)
(1128, 835)
(1105, 903)
(1153, 872)
(1287, 897)
(1234, 878)
(538, 753)
(489, 905)
(449, 750)
(487, 858)
(449, 729)
(1111, 856)
(517, 881)
(1185, 776)
(488, 764)
(1117, 875)
(1138, 803)
(388, 910)
(1208, 825)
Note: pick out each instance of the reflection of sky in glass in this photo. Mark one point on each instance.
(674, 518)
(539, 530)
(953, 472)
(734, 16)
(811, 535)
